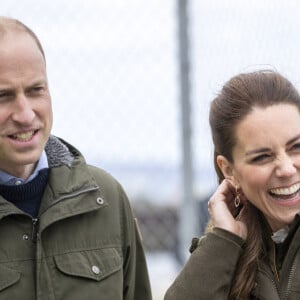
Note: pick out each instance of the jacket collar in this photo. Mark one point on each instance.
(69, 179)
(58, 153)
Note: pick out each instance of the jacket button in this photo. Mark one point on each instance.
(96, 270)
(25, 237)
(100, 200)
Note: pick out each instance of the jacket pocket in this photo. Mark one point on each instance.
(88, 275)
(8, 277)
(94, 264)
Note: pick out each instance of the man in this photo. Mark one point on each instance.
(66, 228)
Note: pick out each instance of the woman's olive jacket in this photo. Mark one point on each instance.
(210, 269)
(83, 244)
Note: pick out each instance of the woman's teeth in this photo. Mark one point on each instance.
(286, 191)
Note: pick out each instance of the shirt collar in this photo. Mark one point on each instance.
(8, 179)
(280, 235)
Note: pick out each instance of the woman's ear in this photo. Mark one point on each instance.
(226, 167)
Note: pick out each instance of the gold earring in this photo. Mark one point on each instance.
(237, 199)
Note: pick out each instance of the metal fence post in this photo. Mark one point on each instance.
(187, 211)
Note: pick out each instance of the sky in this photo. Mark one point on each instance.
(113, 74)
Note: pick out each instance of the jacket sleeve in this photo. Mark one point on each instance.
(136, 279)
(209, 271)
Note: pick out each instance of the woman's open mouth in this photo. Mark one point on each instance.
(285, 193)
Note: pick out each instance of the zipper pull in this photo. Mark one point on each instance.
(35, 228)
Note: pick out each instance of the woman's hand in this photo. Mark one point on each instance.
(221, 209)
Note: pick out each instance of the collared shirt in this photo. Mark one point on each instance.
(8, 179)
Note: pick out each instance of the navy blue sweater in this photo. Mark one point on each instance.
(27, 196)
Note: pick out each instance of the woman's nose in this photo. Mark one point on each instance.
(286, 167)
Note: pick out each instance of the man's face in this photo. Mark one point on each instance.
(25, 104)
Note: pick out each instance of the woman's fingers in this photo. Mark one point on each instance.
(223, 197)
(221, 209)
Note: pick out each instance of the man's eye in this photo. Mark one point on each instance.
(37, 89)
(5, 95)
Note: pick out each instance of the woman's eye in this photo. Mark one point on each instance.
(296, 146)
(261, 158)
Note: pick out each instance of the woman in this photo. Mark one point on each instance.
(252, 246)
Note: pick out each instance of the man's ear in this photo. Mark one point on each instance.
(226, 167)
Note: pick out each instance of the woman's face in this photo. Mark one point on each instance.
(266, 162)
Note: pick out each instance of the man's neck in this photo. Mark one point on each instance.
(31, 172)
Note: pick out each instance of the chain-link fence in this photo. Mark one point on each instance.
(113, 69)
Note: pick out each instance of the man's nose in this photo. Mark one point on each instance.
(22, 110)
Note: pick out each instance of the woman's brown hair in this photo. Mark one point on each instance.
(236, 100)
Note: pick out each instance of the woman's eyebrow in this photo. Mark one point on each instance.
(256, 151)
(265, 149)
(292, 140)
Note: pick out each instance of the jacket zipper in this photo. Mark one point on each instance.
(72, 195)
(35, 229)
(275, 270)
(35, 221)
(274, 263)
(291, 275)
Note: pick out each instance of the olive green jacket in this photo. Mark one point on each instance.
(209, 271)
(84, 243)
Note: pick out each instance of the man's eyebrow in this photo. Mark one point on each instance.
(38, 81)
(6, 90)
